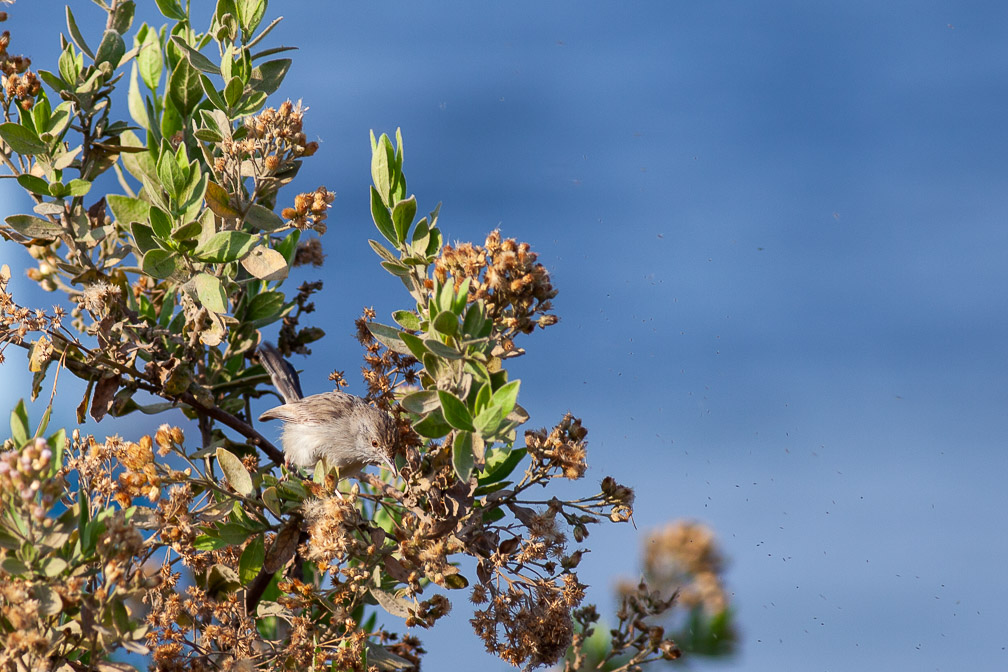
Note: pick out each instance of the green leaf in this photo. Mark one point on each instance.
(482, 395)
(58, 443)
(219, 201)
(143, 237)
(379, 213)
(44, 422)
(462, 455)
(506, 397)
(415, 344)
(150, 61)
(455, 411)
(262, 218)
(78, 187)
(217, 122)
(184, 88)
(226, 246)
(208, 542)
(161, 223)
(69, 65)
(122, 17)
(499, 470)
(251, 103)
(170, 175)
(407, 319)
(211, 292)
(473, 321)
(250, 13)
(111, 49)
(421, 402)
(34, 227)
(136, 105)
(212, 94)
(402, 217)
(382, 160)
(488, 421)
(288, 246)
(389, 337)
(446, 323)
(159, 264)
(265, 308)
(55, 82)
(57, 189)
(233, 91)
(75, 34)
(188, 231)
(22, 139)
(19, 424)
(396, 269)
(59, 120)
(434, 246)
(382, 251)
(53, 566)
(268, 77)
(461, 297)
(272, 501)
(137, 163)
(36, 185)
(235, 473)
(13, 566)
(432, 427)
(192, 195)
(195, 58)
(170, 9)
(441, 350)
(251, 560)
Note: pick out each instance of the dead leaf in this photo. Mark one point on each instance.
(104, 393)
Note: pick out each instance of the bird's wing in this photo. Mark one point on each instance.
(286, 412)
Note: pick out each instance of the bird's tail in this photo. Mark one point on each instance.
(283, 375)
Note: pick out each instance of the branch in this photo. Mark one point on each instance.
(86, 371)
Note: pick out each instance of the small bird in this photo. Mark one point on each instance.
(340, 428)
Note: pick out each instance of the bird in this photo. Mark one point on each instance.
(342, 429)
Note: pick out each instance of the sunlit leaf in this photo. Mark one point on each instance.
(235, 473)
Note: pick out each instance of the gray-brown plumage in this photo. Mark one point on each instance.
(341, 428)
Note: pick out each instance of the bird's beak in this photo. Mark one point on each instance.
(390, 463)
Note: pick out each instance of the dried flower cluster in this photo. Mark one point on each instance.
(18, 82)
(503, 273)
(98, 297)
(529, 626)
(384, 370)
(309, 252)
(269, 152)
(310, 210)
(279, 136)
(17, 321)
(291, 338)
(684, 556)
(562, 450)
(634, 641)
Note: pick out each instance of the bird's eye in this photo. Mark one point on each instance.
(374, 443)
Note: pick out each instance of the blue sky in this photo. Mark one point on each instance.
(778, 234)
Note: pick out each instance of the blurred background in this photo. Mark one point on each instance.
(778, 231)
